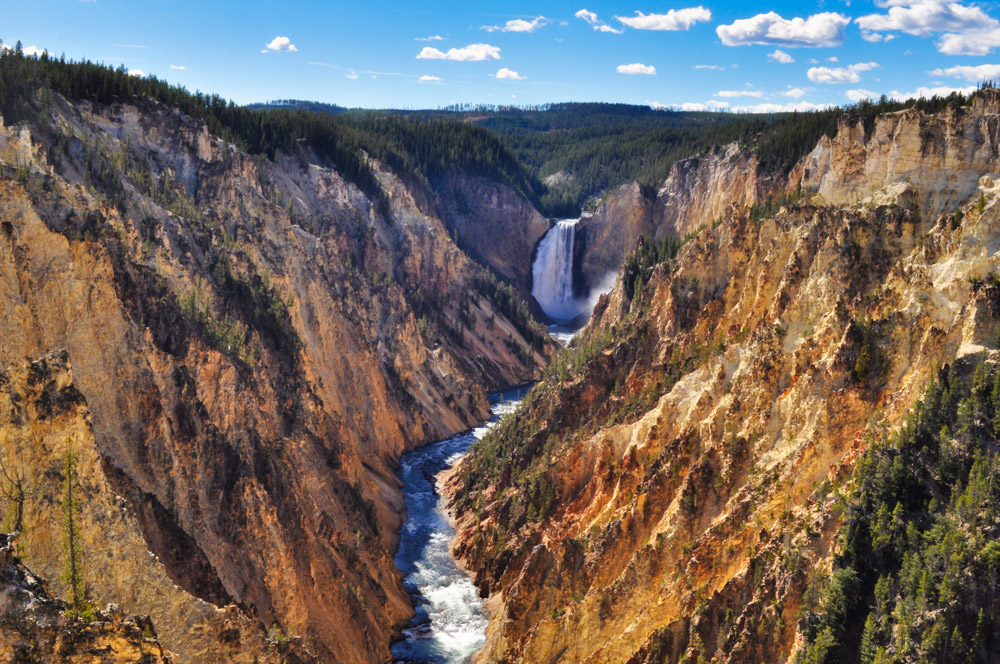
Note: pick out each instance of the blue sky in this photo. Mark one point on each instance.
(750, 55)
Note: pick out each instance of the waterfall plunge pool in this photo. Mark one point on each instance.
(451, 621)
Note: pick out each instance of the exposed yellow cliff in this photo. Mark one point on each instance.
(255, 342)
(667, 493)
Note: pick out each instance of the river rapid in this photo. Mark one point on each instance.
(451, 621)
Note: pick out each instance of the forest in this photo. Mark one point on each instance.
(918, 574)
(595, 146)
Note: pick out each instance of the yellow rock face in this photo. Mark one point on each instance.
(695, 455)
(255, 344)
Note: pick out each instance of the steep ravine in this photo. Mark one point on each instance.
(256, 343)
(667, 492)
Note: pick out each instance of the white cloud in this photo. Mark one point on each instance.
(352, 75)
(924, 17)
(780, 56)
(675, 19)
(428, 79)
(980, 42)
(636, 68)
(280, 44)
(825, 29)
(861, 93)
(508, 75)
(839, 74)
(876, 37)
(136, 72)
(833, 58)
(969, 73)
(470, 53)
(795, 93)
(800, 106)
(715, 67)
(599, 25)
(429, 39)
(178, 67)
(968, 29)
(27, 50)
(518, 25)
(740, 93)
(693, 106)
(925, 92)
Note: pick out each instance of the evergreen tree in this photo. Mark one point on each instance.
(72, 541)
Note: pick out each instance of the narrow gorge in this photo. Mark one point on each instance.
(310, 384)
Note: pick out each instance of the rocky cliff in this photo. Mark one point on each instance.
(493, 224)
(35, 627)
(254, 343)
(698, 191)
(669, 492)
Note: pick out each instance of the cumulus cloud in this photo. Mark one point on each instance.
(969, 73)
(710, 105)
(509, 75)
(978, 42)
(825, 29)
(136, 72)
(352, 75)
(27, 50)
(470, 53)
(675, 19)
(967, 29)
(924, 17)
(428, 79)
(876, 37)
(429, 39)
(283, 44)
(833, 75)
(792, 106)
(715, 67)
(636, 68)
(795, 93)
(518, 25)
(599, 25)
(740, 93)
(780, 56)
(178, 67)
(927, 93)
(860, 93)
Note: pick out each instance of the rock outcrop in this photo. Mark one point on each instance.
(256, 342)
(667, 493)
(697, 192)
(36, 628)
(493, 224)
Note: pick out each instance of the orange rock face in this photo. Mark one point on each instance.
(668, 491)
(256, 343)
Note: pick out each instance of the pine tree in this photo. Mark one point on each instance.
(72, 544)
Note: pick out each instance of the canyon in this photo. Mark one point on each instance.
(672, 489)
(243, 340)
(248, 345)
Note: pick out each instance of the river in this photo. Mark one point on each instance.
(450, 624)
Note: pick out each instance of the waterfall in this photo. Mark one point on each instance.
(552, 273)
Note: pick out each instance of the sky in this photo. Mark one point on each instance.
(751, 55)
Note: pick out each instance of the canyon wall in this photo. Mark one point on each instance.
(254, 343)
(697, 192)
(669, 490)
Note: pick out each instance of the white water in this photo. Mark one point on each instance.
(552, 277)
(450, 624)
(552, 273)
